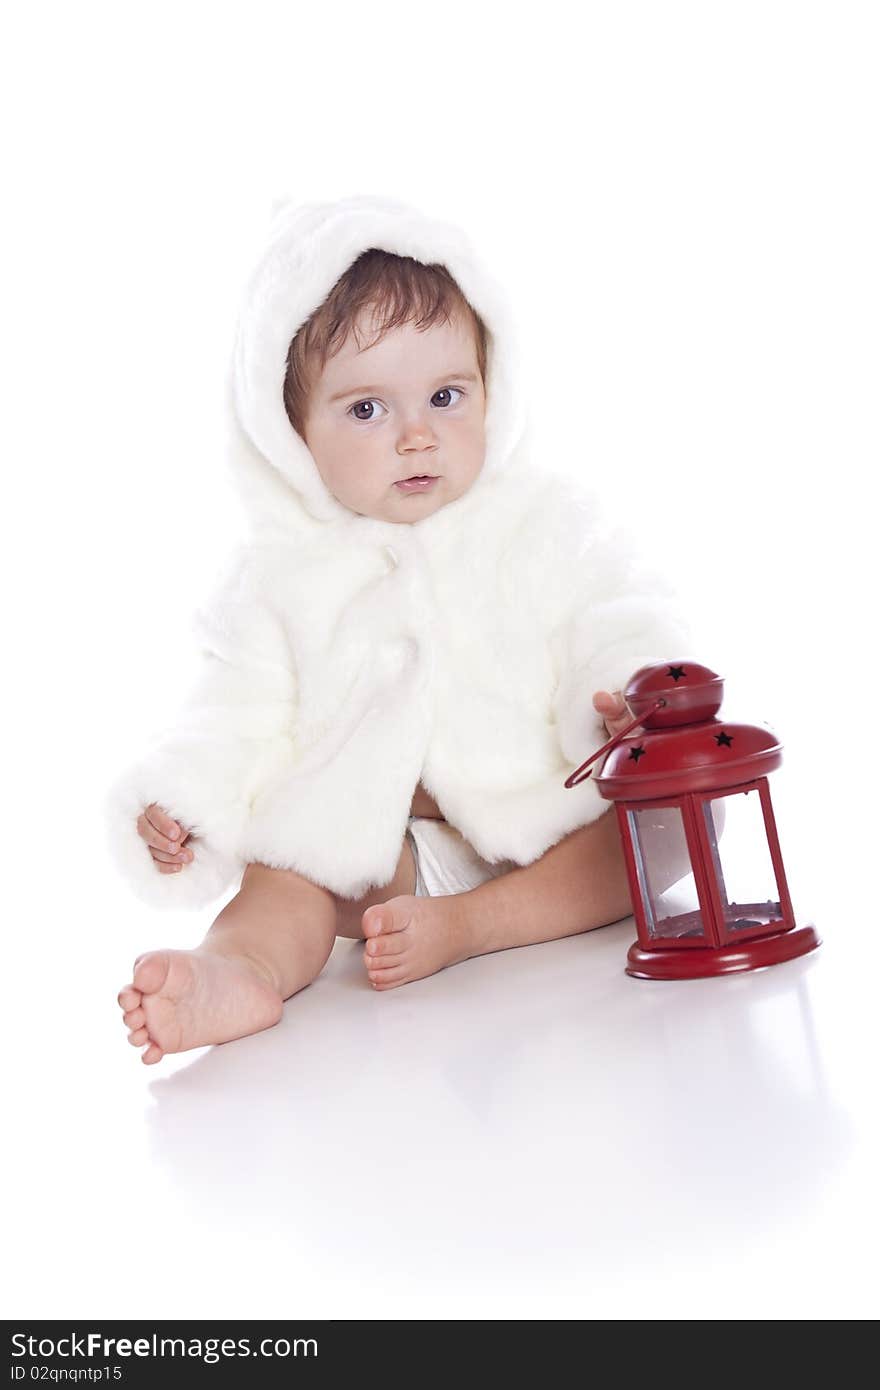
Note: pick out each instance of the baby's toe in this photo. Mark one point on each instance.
(153, 1054)
(151, 971)
(128, 998)
(377, 919)
(386, 979)
(135, 1019)
(139, 1037)
(382, 946)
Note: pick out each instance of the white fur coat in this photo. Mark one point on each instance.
(345, 659)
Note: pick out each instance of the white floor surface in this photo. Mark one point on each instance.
(530, 1134)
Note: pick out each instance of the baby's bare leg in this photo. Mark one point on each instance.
(281, 923)
(576, 885)
(269, 941)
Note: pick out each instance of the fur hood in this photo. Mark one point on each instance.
(346, 658)
(308, 249)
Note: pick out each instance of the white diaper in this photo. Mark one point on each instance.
(445, 861)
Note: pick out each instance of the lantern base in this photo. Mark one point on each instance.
(692, 963)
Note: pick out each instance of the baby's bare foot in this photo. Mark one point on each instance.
(409, 938)
(183, 999)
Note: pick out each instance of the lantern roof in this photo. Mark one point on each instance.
(684, 746)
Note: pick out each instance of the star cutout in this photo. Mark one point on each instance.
(723, 738)
(636, 753)
(675, 672)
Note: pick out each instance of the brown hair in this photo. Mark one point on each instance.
(399, 290)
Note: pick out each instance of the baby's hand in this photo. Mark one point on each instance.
(614, 710)
(165, 838)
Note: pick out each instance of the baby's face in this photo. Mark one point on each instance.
(411, 404)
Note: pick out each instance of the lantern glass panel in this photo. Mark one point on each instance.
(668, 888)
(743, 867)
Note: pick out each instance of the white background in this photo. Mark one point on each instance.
(681, 200)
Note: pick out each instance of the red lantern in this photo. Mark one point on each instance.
(676, 787)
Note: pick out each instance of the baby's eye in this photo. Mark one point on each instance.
(445, 391)
(356, 410)
(356, 407)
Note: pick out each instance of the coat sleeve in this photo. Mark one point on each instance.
(234, 729)
(620, 612)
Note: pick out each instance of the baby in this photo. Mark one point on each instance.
(395, 390)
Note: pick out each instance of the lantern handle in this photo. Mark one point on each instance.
(579, 775)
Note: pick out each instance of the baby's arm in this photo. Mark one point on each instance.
(623, 614)
(234, 730)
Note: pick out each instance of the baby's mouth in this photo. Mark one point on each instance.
(419, 481)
